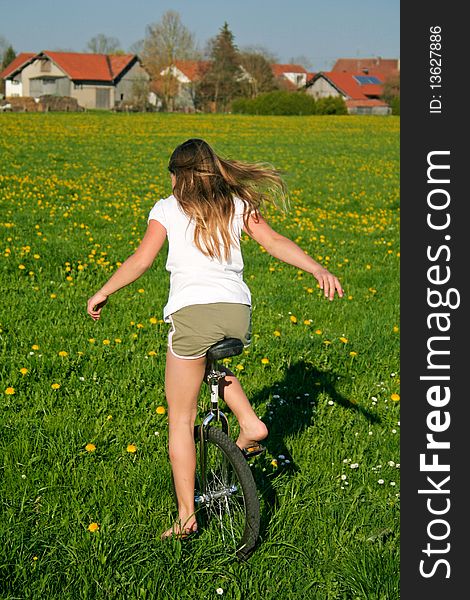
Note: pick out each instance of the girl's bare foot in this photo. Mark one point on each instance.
(251, 433)
(180, 531)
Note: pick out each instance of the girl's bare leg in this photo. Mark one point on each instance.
(183, 380)
(252, 429)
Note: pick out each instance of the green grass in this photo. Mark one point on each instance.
(75, 193)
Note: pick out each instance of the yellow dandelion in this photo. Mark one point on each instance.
(318, 331)
(277, 333)
(93, 527)
(106, 342)
(69, 278)
(344, 340)
(23, 371)
(327, 342)
(353, 353)
(10, 391)
(92, 340)
(309, 290)
(63, 353)
(240, 367)
(141, 290)
(274, 463)
(35, 347)
(307, 322)
(265, 361)
(396, 329)
(55, 386)
(160, 410)
(21, 267)
(293, 319)
(395, 397)
(139, 326)
(131, 448)
(152, 353)
(53, 296)
(117, 340)
(153, 320)
(90, 447)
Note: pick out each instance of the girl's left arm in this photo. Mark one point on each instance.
(289, 252)
(130, 270)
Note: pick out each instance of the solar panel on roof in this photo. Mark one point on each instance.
(366, 79)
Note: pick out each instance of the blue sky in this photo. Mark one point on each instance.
(321, 31)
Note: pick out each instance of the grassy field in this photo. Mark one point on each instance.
(83, 425)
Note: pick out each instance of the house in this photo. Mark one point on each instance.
(361, 93)
(94, 80)
(292, 77)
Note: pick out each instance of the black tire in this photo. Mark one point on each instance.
(230, 509)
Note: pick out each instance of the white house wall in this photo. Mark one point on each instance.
(13, 88)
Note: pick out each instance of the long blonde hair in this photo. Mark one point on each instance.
(206, 185)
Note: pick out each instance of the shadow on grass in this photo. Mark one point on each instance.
(295, 398)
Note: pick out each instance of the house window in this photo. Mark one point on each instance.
(78, 86)
(45, 66)
(14, 82)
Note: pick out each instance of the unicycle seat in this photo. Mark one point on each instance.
(225, 348)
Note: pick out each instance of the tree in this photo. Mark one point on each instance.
(8, 56)
(224, 80)
(166, 42)
(259, 68)
(391, 92)
(103, 44)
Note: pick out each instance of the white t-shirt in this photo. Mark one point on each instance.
(194, 277)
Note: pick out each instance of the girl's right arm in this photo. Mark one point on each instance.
(130, 270)
(286, 250)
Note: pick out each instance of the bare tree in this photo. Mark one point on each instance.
(166, 42)
(103, 44)
(261, 73)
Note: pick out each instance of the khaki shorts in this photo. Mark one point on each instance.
(195, 328)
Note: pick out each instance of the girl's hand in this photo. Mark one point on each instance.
(328, 283)
(95, 304)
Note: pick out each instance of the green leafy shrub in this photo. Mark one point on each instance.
(276, 103)
(331, 105)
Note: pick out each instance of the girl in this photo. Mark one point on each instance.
(214, 200)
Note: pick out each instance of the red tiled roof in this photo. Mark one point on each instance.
(372, 89)
(279, 70)
(78, 66)
(193, 69)
(119, 62)
(386, 66)
(16, 63)
(92, 67)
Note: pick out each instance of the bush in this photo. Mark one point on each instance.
(331, 105)
(276, 103)
(395, 105)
